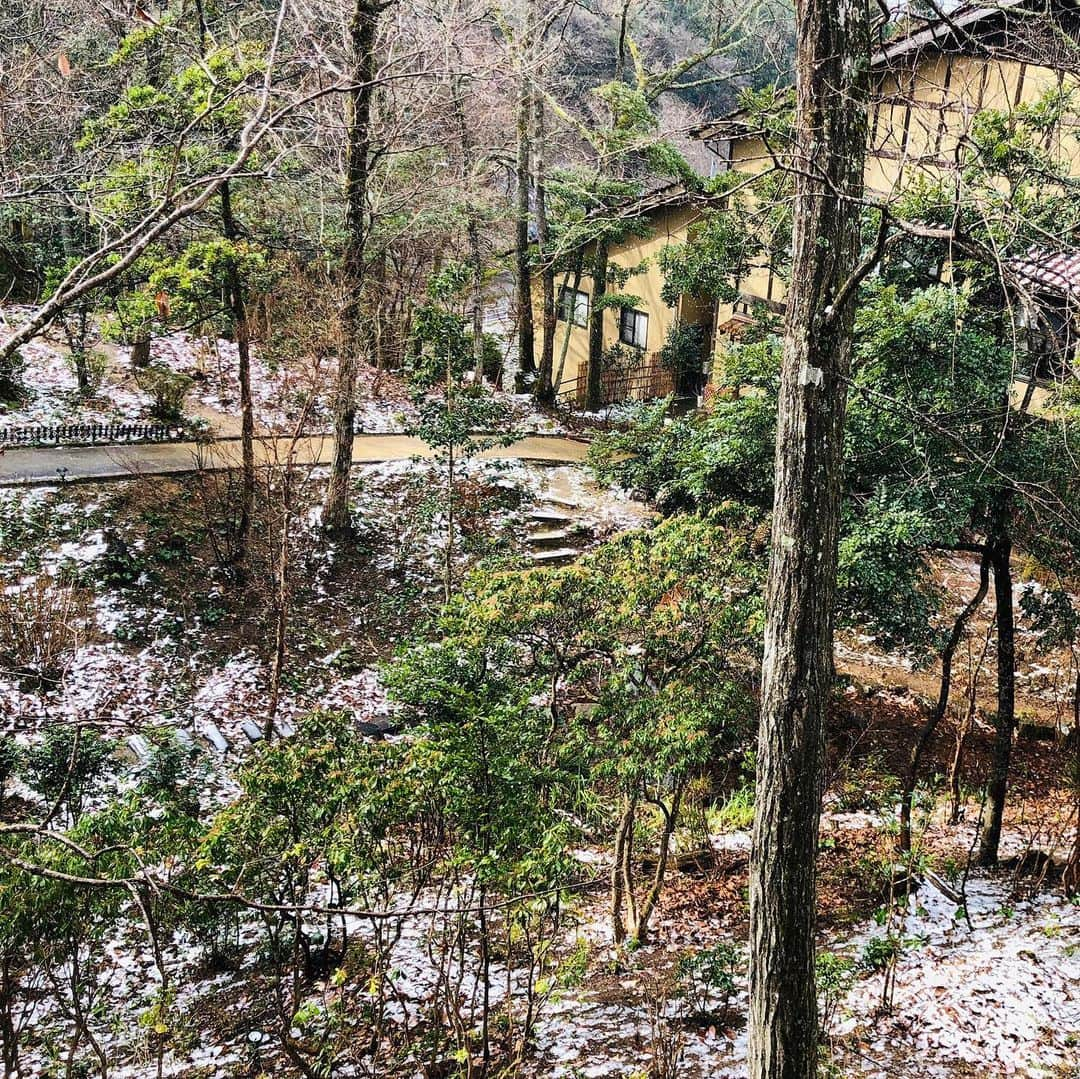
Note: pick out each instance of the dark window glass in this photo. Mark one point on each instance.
(633, 327)
(573, 306)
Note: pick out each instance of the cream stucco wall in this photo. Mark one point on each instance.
(641, 255)
(920, 117)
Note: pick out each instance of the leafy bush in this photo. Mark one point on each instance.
(67, 766)
(9, 763)
(683, 351)
(834, 974)
(90, 368)
(639, 658)
(737, 812)
(865, 784)
(493, 357)
(12, 369)
(166, 389)
(879, 952)
(707, 979)
(701, 461)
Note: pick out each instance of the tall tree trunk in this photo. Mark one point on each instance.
(545, 390)
(140, 351)
(594, 386)
(1000, 542)
(938, 714)
(472, 231)
(829, 154)
(241, 333)
(363, 32)
(523, 275)
(1070, 878)
(556, 381)
(477, 299)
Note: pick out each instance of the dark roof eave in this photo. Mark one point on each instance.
(732, 125)
(939, 30)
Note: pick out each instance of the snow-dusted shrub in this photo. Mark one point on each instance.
(67, 767)
(42, 626)
(707, 979)
(90, 367)
(166, 389)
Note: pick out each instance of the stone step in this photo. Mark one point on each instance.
(551, 517)
(252, 731)
(549, 538)
(558, 500)
(554, 556)
(140, 747)
(377, 727)
(212, 733)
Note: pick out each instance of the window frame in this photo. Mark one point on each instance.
(582, 300)
(635, 314)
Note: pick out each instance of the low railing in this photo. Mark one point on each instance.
(642, 382)
(89, 433)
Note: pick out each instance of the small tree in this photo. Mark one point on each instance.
(642, 654)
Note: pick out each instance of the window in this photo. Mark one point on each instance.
(633, 327)
(573, 306)
(1051, 341)
(721, 155)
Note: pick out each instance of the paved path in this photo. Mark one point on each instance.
(20, 467)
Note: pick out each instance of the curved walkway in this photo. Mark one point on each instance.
(35, 466)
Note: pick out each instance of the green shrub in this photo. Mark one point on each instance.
(89, 368)
(67, 766)
(9, 762)
(834, 975)
(879, 952)
(166, 389)
(707, 979)
(737, 812)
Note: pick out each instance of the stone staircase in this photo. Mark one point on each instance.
(555, 532)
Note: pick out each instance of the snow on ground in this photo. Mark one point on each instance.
(384, 401)
(53, 397)
(1002, 996)
(605, 511)
(278, 392)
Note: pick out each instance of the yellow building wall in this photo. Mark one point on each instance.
(641, 255)
(920, 119)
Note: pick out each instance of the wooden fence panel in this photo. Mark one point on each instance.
(643, 382)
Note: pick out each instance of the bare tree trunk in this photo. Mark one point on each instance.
(477, 299)
(1005, 721)
(621, 41)
(281, 589)
(618, 895)
(238, 313)
(140, 351)
(594, 386)
(829, 154)
(545, 390)
(523, 276)
(1071, 875)
(363, 32)
(938, 714)
(966, 723)
(652, 897)
(472, 231)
